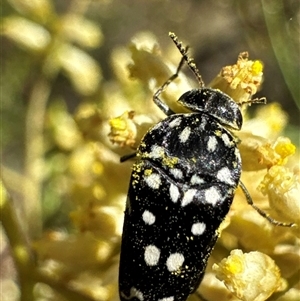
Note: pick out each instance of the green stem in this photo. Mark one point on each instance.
(20, 250)
(34, 157)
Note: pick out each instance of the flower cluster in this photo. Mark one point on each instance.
(74, 157)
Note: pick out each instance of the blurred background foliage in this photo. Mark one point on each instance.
(63, 76)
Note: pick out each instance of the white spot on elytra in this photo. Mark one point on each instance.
(156, 152)
(224, 175)
(175, 122)
(174, 262)
(188, 197)
(148, 217)
(226, 140)
(174, 193)
(185, 134)
(153, 180)
(134, 293)
(177, 173)
(212, 195)
(167, 299)
(198, 228)
(151, 255)
(196, 180)
(212, 143)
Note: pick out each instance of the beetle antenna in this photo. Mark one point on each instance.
(190, 61)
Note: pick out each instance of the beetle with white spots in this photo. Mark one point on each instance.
(182, 185)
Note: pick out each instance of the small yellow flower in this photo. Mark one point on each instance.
(276, 153)
(283, 189)
(250, 276)
(241, 80)
(148, 64)
(123, 129)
